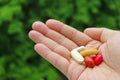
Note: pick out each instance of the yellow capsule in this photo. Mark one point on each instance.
(87, 52)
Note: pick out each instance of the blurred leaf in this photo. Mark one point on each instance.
(50, 76)
(7, 12)
(15, 27)
(2, 69)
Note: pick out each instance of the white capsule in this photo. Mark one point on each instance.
(77, 56)
(79, 48)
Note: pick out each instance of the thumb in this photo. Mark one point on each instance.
(101, 34)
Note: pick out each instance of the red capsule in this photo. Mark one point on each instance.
(89, 61)
(98, 59)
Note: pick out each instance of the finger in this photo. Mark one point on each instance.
(39, 38)
(78, 37)
(60, 39)
(101, 34)
(58, 61)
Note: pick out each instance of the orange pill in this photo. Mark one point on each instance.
(89, 61)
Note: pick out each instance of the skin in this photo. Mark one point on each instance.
(54, 41)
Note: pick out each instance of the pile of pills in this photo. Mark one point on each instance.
(90, 57)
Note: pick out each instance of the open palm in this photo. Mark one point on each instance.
(54, 41)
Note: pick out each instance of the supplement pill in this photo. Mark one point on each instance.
(89, 62)
(77, 56)
(98, 59)
(79, 48)
(87, 52)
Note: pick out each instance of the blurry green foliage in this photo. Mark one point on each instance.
(18, 60)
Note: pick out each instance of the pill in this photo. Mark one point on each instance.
(87, 52)
(89, 62)
(77, 56)
(98, 59)
(79, 48)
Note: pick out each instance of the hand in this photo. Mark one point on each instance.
(54, 41)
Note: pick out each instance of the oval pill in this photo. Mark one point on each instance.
(77, 56)
(87, 52)
(89, 61)
(80, 48)
(98, 59)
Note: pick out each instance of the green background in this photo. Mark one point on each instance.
(18, 60)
